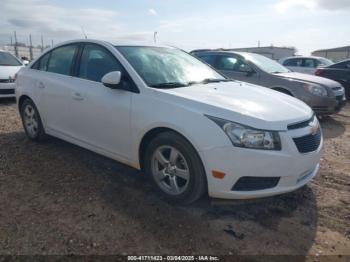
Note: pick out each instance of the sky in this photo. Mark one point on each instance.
(307, 25)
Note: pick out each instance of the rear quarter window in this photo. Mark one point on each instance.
(43, 62)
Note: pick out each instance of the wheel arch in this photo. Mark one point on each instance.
(151, 134)
(282, 90)
(21, 100)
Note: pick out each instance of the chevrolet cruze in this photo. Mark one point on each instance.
(159, 109)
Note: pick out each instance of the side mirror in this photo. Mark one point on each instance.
(112, 79)
(250, 72)
(244, 68)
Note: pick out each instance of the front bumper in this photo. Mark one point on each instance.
(293, 168)
(327, 105)
(7, 90)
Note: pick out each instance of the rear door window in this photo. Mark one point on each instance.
(232, 63)
(310, 62)
(61, 59)
(209, 59)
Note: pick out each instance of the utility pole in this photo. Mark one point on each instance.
(30, 47)
(16, 47)
(42, 44)
(51, 43)
(11, 40)
(155, 36)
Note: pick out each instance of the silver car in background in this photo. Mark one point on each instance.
(323, 95)
(305, 64)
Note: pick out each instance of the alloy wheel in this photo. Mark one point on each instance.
(170, 170)
(30, 119)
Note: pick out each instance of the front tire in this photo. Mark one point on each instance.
(175, 168)
(31, 121)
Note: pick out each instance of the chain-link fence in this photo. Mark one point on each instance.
(25, 47)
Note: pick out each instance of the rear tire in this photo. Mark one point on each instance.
(31, 121)
(175, 168)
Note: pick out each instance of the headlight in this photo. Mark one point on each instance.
(315, 89)
(248, 137)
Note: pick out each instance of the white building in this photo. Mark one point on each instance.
(273, 52)
(334, 54)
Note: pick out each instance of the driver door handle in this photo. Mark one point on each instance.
(78, 96)
(41, 85)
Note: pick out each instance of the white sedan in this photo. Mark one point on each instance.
(159, 109)
(9, 66)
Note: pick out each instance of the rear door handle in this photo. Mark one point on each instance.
(41, 85)
(77, 96)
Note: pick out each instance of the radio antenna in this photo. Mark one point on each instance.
(82, 29)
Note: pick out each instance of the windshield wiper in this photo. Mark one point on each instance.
(182, 84)
(210, 80)
(169, 85)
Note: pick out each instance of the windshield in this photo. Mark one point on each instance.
(7, 59)
(163, 66)
(266, 64)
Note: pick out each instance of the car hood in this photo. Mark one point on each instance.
(251, 105)
(8, 71)
(309, 79)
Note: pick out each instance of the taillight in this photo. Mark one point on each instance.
(318, 72)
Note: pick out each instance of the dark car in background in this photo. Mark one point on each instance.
(339, 72)
(323, 95)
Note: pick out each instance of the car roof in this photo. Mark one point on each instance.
(222, 52)
(114, 43)
(343, 61)
(300, 56)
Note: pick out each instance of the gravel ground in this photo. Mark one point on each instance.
(56, 198)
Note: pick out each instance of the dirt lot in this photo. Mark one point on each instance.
(56, 198)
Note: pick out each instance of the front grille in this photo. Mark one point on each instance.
(252, 183)
(320, 108)
(7, 91)
(339, 98)
(337, 88)
(308, 143)
(301, 124)
(341, 103)
(7, 80)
